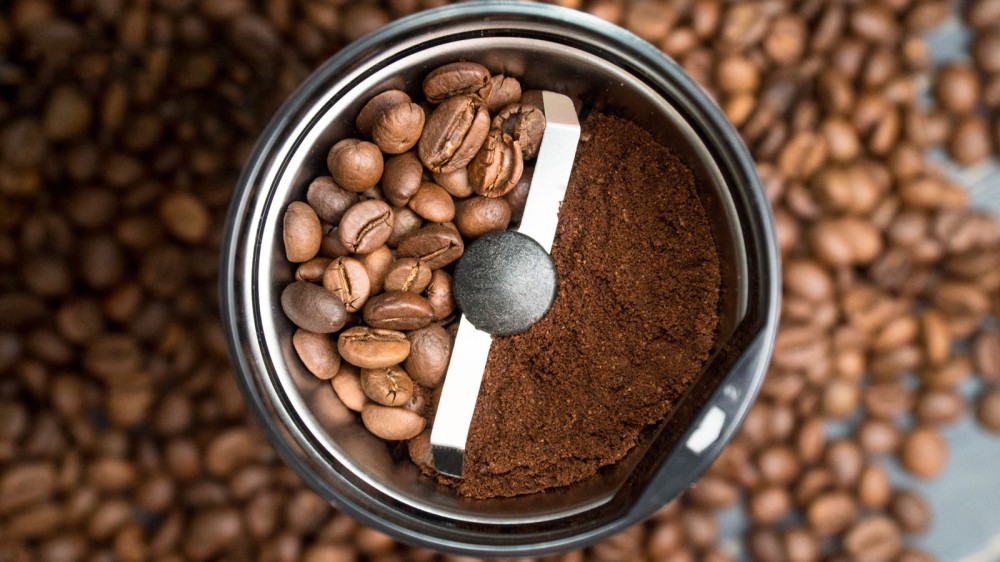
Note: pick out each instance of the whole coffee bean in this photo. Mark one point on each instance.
(405, 221)
(497, 167)
(408, 274)
(453, 134)
(437, 245)
(525, 124)
(988, 410)
(878, 436)
(845, 461)
(420, 401)
(389, 386)
(769, 504)
(924, 452)
(313, 308)
(480, 215)
(433, 203)
(455, 182)
(778, 464)
(391, 424)
(398, 128)
(455, 79)
(346, 384)
(370, 113)
(318, 352)
(911, 511)
(356, 165)
(939, 406)
(956, 88)
(764, 544)
(331, 246)
(312, 270)
(430, 352)
(875, 538)
(329, 200)
(831, 513)
(348, 280)
(874, 487)
(302, 232)
(402, 178)
(440, 295)
(398, 310)
(500, 92)
(366, 226)
(371, 348)
(970, 142)
(377, 265)
(518, 196)
(420, 450)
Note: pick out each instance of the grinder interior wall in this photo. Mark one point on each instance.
(539, 65)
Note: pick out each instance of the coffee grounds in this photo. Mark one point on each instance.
(633, 322)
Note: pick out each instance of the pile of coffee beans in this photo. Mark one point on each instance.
(373, 241)
(123, 127)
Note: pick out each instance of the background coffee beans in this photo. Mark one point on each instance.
(123, 123)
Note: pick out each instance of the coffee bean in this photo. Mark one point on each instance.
(312, 270)
(313, 308)
(440, 295)
(430, 352)
(302, 232)
(347, 385)
(988, 410)
(500, 92)
(768, 505)
(436, 245)
(874, 539)
(518, 196)
(845, 461)
(924, 452)
(956, 88)
(318, 352)
(453, 134)
(878, 437)
(497, 167)
(455, 182)
(329, 200)
(970, 142)
(389, 386)
(874, 487)
(404, 222)
(370, 113)
(938, 407)
(433, 203)
(402, 178)
(398, 310)
(455, 79)
(371, 348)
(911, 512)
(331, 246)
(713, 492)
(525, 124)
(348, 280)
(420, 451)
(398, 128)
(831, 513)
(391, 424)
(366, 226)
(984, 51)
(356, 165)
(408, 274)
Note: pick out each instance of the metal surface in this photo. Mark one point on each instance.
(548, 48)
(505, 316)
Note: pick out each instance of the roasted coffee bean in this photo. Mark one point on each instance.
(348, 280)
(404, 222)
(312, 270)
(331, 246)
(329, 200)
(430, 352)
(874, 487)
(911, 511)
(938, 407)
(453, 134)
(313, 308)
(398, 128)
(302, 232)
(988, 410)
(398, 310)
(875, 538)
(389, 386)
(420, 451)
(455, 79)
(433, 203)
(402, 178)
(497, 167)
(769, 504)
(440, 295)
(366, 226)
(970, 143)
(500, 92)
(356, 165)
(480, 215)
(956, 88)
(878, 436)
(346, 384)
(370, 113)
(924, 452)
(437, 245)
(518, 196)
(391, 424)
(831, 513)
(372, 348)
(408, 274)
(455, 182)
(318, 352)
(525, 124)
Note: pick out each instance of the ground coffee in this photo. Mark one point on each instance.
(633, 322)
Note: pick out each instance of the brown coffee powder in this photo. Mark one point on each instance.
(633, 322)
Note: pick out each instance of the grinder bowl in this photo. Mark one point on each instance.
(546, 47)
